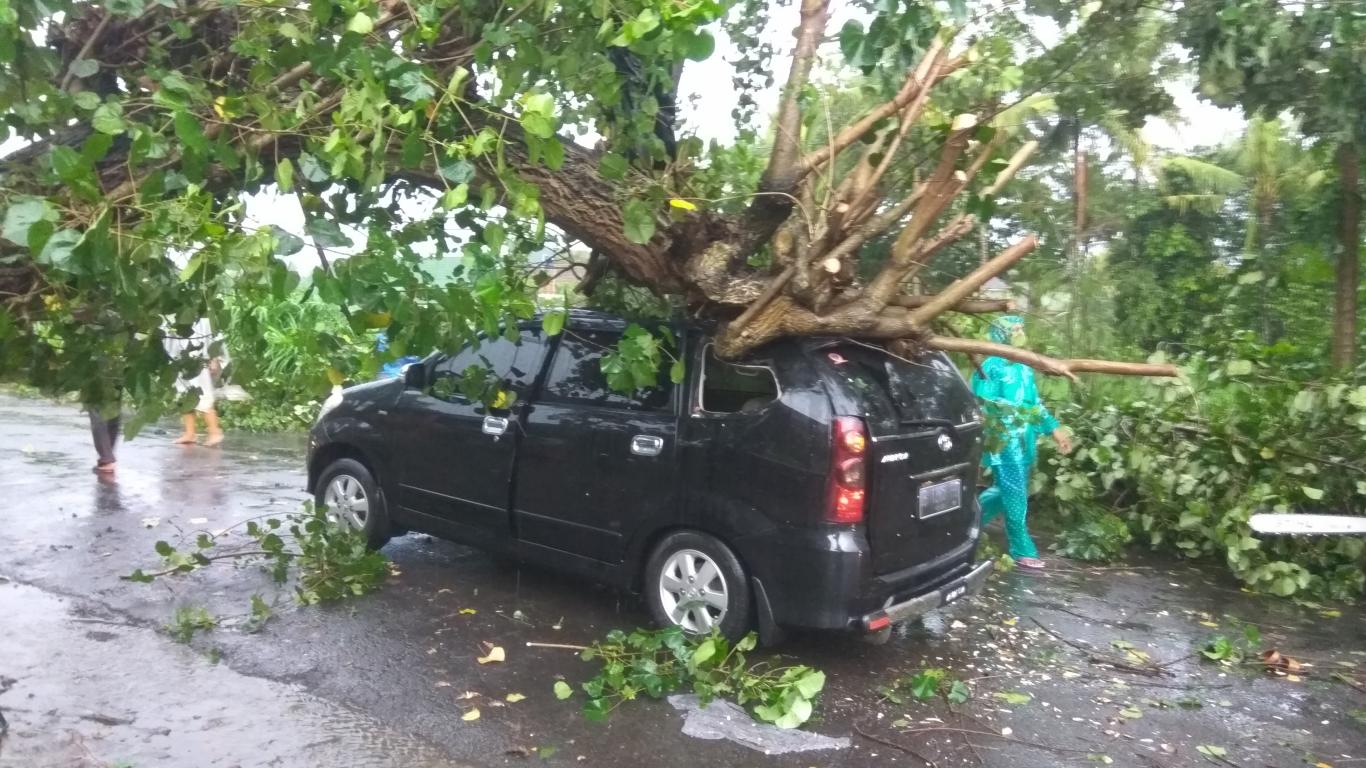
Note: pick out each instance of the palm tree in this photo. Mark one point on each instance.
(1268, 165)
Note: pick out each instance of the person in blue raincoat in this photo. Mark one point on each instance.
(1011, 386)
(394, 368)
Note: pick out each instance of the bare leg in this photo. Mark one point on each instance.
(188, 436)
(214, 431)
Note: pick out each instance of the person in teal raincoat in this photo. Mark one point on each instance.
(1011, 385)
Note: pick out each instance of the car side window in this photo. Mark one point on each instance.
(486, 362)
(731, 388)
(576, 375)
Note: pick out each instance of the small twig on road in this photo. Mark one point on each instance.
(106, 621)
(561, 646)
(900, 747)
(1150, 670)
(994, 735)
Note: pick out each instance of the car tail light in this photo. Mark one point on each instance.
(848, 479)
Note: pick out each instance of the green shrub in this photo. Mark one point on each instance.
(1186, 463)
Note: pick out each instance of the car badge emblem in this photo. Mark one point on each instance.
(945, 442)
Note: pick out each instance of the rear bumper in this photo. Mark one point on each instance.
(966, 586)
(824, 579)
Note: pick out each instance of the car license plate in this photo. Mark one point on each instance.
(940, 497)
(955, 593)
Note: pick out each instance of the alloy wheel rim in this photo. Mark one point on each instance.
(346, 502)
(693, 591)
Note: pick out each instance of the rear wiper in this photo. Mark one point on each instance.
(944, 423)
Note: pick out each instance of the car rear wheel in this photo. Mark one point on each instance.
(352, 499)
(695, 582)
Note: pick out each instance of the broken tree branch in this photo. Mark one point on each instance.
(1050, 365)
(967, 285)
(783, 169)
(967, 307)
(917, 81)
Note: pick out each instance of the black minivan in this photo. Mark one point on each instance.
(818, 483)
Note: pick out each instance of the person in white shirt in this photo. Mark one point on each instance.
(198, 346)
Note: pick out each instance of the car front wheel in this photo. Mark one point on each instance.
(695, 582)
(349, 493)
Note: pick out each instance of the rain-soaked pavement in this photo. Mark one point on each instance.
(88, 677)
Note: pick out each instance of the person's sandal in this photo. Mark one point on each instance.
(1031, 563)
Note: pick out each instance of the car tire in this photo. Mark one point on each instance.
(694, 581)
(353, 499)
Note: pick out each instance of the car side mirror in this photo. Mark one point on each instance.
(414, 375)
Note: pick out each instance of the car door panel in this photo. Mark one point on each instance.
(453, 472)
(580, 487)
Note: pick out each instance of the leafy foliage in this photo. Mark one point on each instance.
(189, 619)
(656, 663)
(927, 684)
(1186, 463)
(1225, 651)
(1093, 536)
(324, 560)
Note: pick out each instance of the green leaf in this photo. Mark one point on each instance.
(361, 24)
(455, 196)
(614, 166)
(924, 685)
(84, 67)
(639, 219)
(326, 233)
(108, 118)
(22, 214)
(414, 87)
(286, 243)
(677, 372)
(701, 45)
(189, 131)
(67, 163)
(1131, 713)
(552, 323)
(562, 690)
(851, 39)
(798, 712)
(458, 171)
(163, 548)
(58, 249)
(1014, 698)
(1239, 367)
(1210, 750)
(1313, 493)
(959, 692)
(810, 684)
(704, 652)
(284, 174)
(86, 100)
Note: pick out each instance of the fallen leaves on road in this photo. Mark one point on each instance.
(513, 698)
(495, 653)
(473, 714)
(468, 611)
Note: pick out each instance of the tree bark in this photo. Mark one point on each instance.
(1349, 259)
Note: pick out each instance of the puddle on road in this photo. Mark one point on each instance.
(119, 694)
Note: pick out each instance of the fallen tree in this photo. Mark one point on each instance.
(146, 124)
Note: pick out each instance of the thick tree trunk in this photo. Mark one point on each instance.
(1349, 259)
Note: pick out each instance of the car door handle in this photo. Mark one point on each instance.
(495, 425)
(647, 445)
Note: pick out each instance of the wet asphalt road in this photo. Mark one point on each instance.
(88, 677)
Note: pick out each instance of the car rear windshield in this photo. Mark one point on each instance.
(890, 390)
